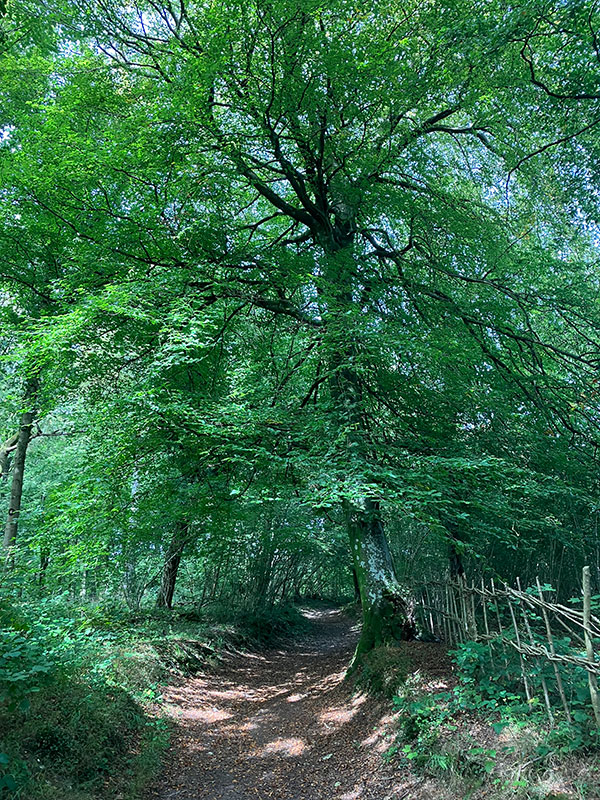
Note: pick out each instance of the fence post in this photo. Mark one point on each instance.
(472, 615)
(429, 612)
(486, 623)
(458, 623)
(589, 644)
(449, 625)
(559, 682)
(532, 641)
(528, 693)
(499, 620)
(464, 611)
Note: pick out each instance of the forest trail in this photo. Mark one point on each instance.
(284, 725)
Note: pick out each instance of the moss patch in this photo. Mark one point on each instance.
(383, 670)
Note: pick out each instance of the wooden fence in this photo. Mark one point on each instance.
(526, 622)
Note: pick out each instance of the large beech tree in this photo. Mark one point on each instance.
(354, 177)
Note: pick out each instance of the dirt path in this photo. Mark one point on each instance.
(283, 725)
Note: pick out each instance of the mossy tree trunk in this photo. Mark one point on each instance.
(386, 615)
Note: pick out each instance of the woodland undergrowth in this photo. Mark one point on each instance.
(81, 688)
(474, 737)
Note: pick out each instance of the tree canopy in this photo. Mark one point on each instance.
(302, 296)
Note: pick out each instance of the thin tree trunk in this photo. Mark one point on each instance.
(171, 565)
(5, 450)
(18, 474)
(215, 578)
(44, 561)
(264, 576)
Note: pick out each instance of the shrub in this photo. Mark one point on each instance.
(263, 625)
(24, 668)
(67, 729)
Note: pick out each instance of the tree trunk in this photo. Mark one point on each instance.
(356, 585)
(457, 569)
(16, 491)
(44, 561)
(5, 450)
(264, 573)
(386, 616)
(171, 566)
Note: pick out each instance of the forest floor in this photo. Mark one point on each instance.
(284, 725)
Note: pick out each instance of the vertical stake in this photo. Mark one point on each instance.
(428, 611)
(486, 623)
(528, 693)
(559, 683)
(500, 628)
(447, 617)
(474, 631)
(460, 637)
(589, 644)
(532, 641)
(462, 596)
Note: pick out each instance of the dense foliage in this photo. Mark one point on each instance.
(297, 300)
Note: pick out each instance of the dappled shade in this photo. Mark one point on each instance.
(285, 724)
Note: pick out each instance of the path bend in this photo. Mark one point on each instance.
(283, 725)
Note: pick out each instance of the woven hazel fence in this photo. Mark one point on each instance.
(550, 639)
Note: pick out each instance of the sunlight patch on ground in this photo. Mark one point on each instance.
(554, 787)
(284, 747)
(323, 614)
(242, 693)
(207, 715)
(262, 717)
(329, 682)
(435, 686)
(353, 795)
(370, 740)
(358, 700)
(335, 717)
(378, 741)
